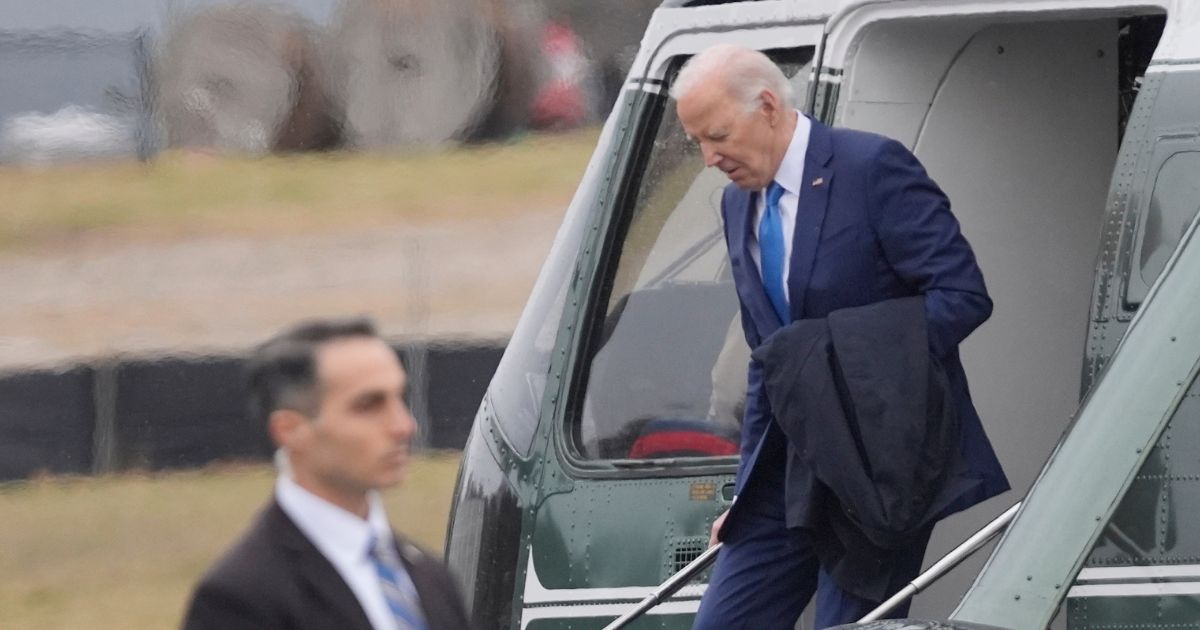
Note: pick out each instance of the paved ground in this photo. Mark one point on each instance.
(95, 298)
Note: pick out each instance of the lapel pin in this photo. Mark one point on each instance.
(818, 181)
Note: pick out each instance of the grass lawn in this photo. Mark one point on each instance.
(182, 194)
(122, 552)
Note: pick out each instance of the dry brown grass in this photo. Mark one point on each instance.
(123, 552)
(181, 194)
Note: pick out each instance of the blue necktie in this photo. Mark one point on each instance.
(771, 250)
(398, 589)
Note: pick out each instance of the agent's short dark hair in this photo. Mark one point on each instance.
(282, 372)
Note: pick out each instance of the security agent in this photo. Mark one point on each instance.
(321, 553)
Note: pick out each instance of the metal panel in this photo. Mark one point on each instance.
(1145, 569)
(761, 25)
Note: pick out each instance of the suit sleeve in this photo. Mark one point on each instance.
(441, 600)
(216, 608)
(923, 243)
(458, 614)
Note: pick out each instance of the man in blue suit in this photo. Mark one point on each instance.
(816, 220)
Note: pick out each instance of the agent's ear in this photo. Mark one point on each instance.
(286, 427)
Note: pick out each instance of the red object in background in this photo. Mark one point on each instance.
(682, 444)
(670, 437)
(561, 102)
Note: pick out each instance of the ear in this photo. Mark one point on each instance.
(770, 106)
(286, 427)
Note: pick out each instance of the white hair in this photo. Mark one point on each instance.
(745, 72)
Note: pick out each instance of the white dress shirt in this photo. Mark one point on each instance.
(789, 176)
(343, 538)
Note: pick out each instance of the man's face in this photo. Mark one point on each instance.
(359, 440)
(742, 144)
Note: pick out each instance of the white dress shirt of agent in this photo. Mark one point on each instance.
(331, 393)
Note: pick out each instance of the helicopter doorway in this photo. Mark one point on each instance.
(1019, 122)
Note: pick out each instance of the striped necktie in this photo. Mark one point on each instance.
(398, 589)
(771, 250)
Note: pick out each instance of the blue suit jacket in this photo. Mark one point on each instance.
(871, 226)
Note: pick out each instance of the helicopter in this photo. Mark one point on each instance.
(1066, 134)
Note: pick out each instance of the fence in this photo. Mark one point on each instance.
(188, 411)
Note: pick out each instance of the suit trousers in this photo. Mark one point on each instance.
(766, 573)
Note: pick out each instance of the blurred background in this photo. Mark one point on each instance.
(180, 179)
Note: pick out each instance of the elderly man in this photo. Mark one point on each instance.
(817, 220)
(321, 554)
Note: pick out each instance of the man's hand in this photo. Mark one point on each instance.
(716, 528)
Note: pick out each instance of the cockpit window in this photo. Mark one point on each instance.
(1174, 201)
(667, 358)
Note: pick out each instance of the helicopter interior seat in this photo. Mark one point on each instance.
(650, 381)
(666, 437)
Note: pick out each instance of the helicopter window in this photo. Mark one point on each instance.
(667, 373)
(1174, 201)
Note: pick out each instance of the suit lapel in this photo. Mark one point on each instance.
(740, 213)
(318, 573)
(810, 215)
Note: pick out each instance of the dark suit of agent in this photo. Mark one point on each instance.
(818, 220)
(321, 554)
